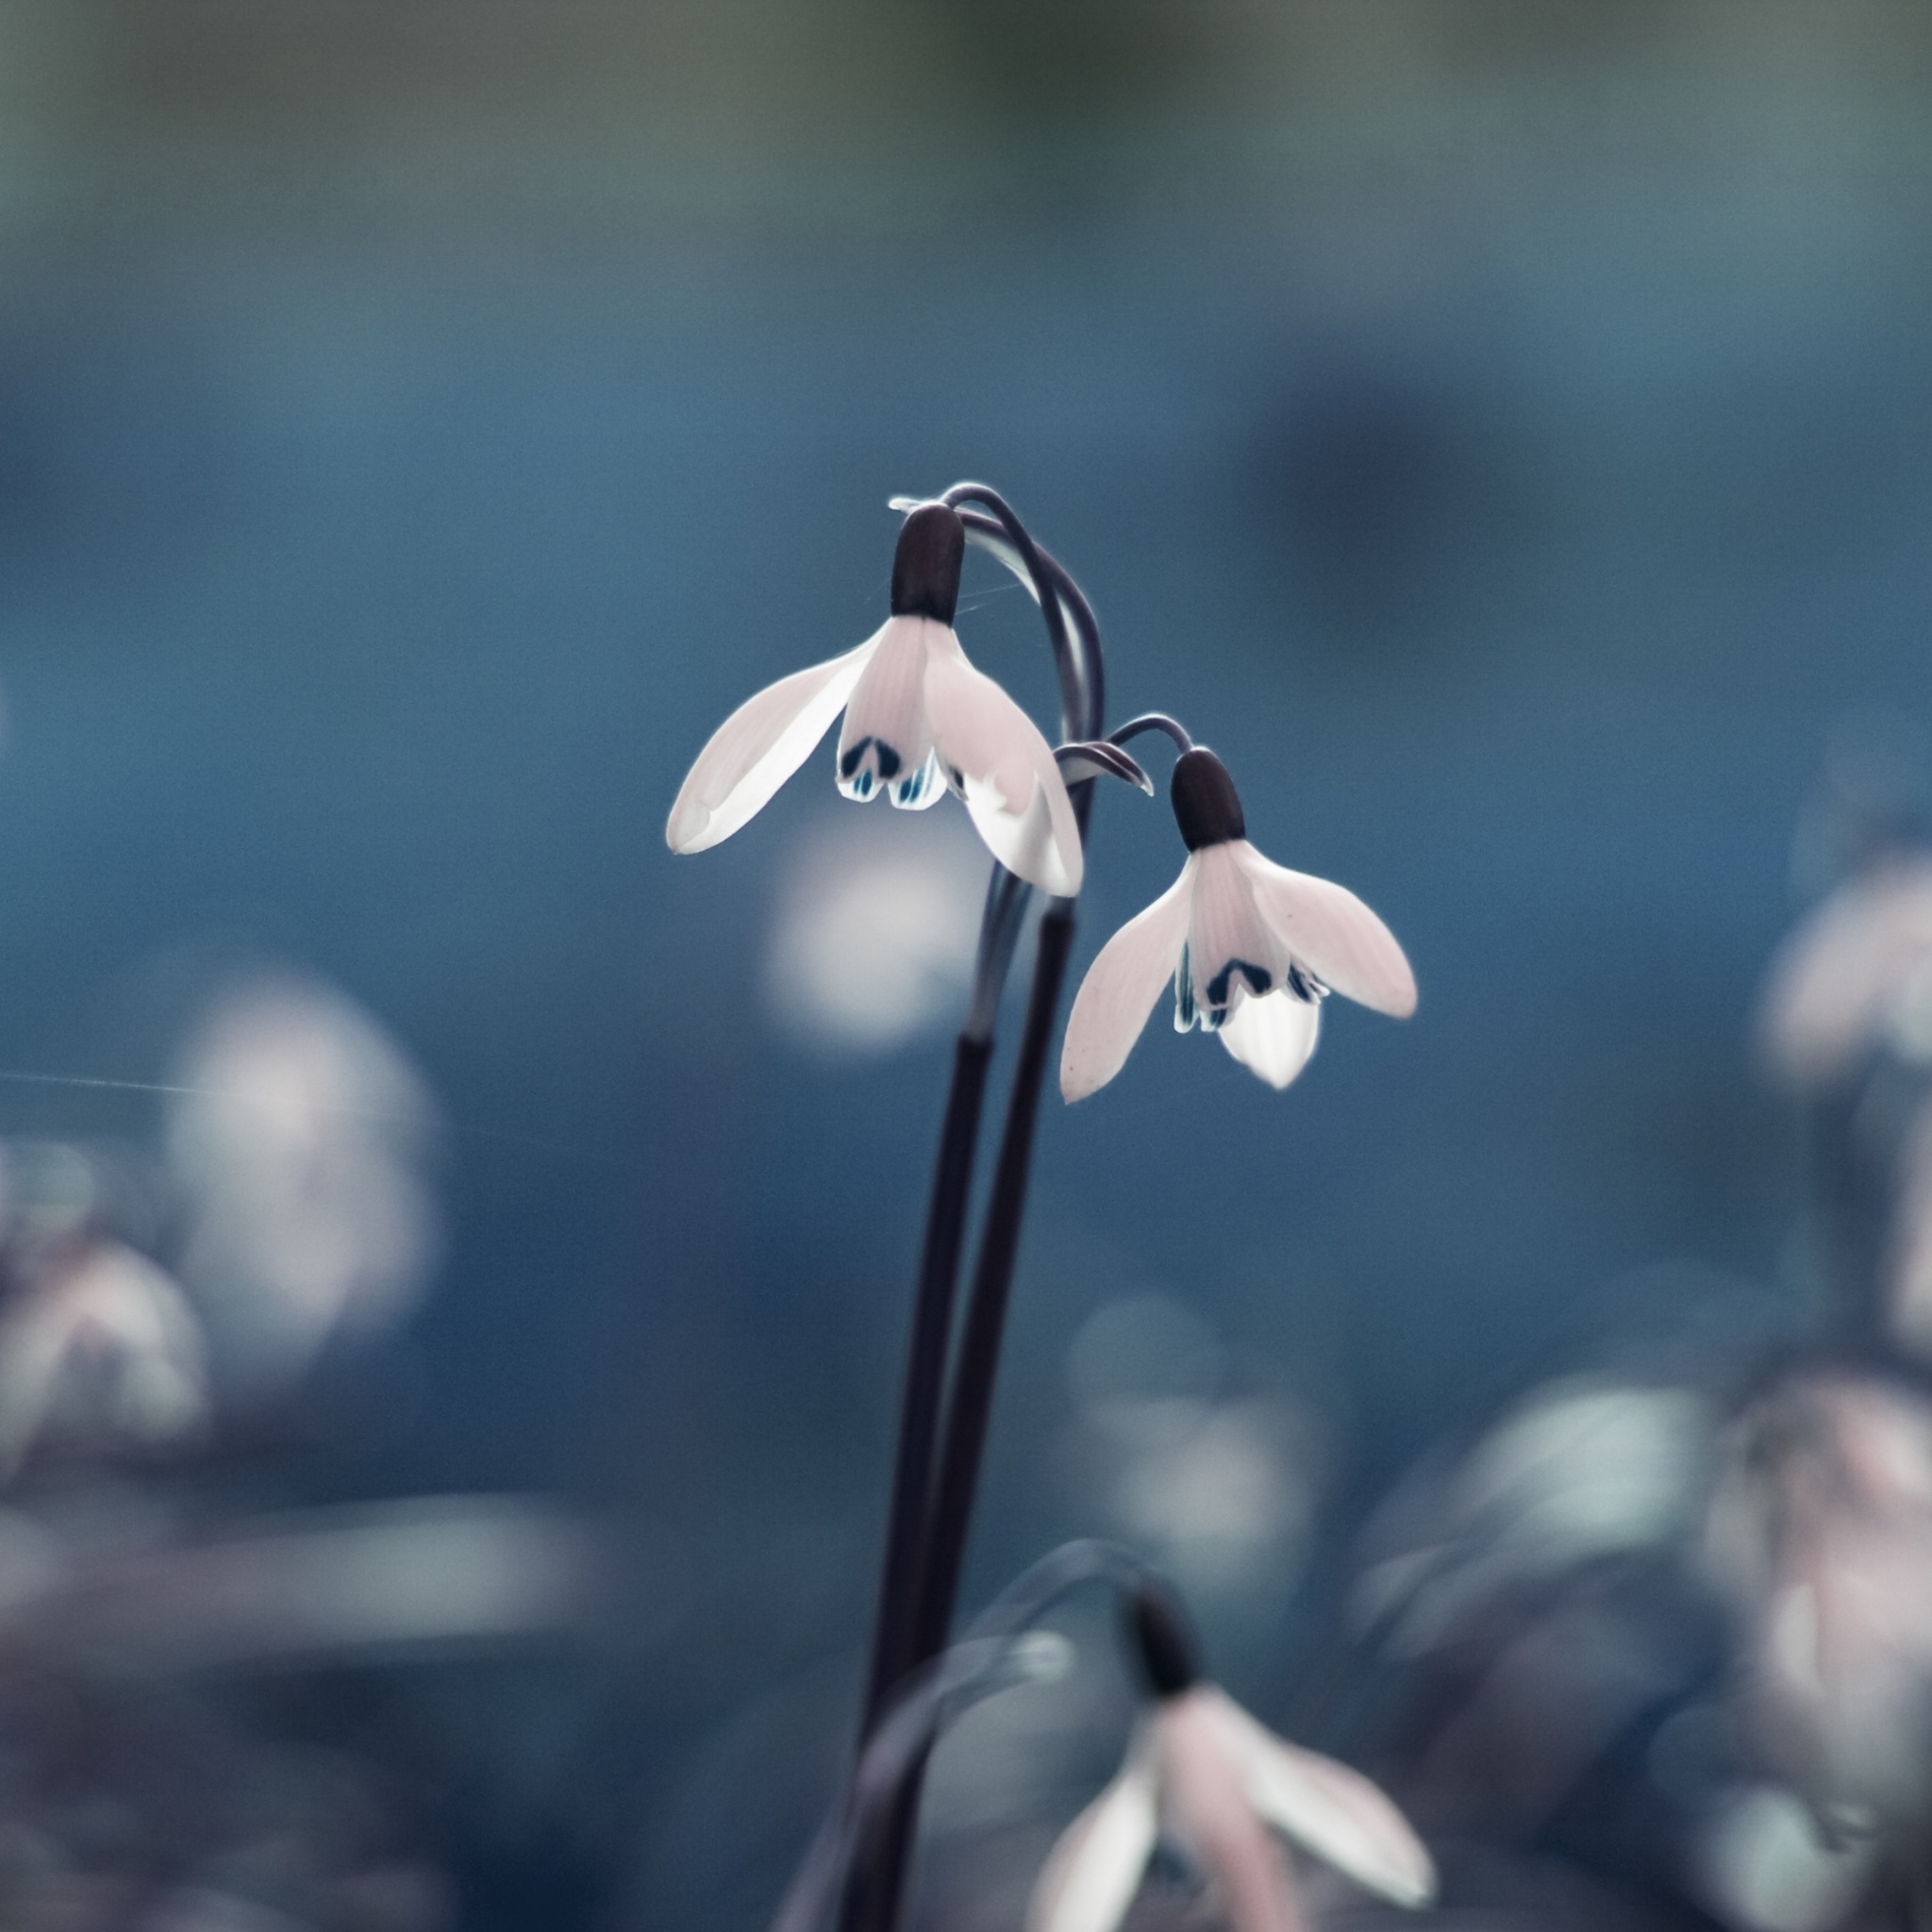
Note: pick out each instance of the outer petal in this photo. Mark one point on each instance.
(1004, 769)
(1859, 963)
(1214, 1816)
(1120, 989)
(1327, 1808)
(1273, 1036)
(1229, 944)
(1332, 933)
(886, 743)
(1090, 1878)
(758, 747)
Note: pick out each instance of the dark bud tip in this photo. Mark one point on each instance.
(1163, 1640)
(926, 566)
(1206, 806)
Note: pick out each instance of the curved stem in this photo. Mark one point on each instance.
(1083, 680)
(898, 1748)
(983, 1661)
(1036, 1589)
(1152, 720)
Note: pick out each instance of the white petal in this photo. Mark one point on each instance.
(1120, 989)
(1858, 966)
(1229, 942)
(1328, 1809)
(1332, 933)
(1003, 768)
(1090, 1878)
(758, 747)
(1215, 1818)
(1273, 1036)
(887, 742)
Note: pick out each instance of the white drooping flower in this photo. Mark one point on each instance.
(919, 721)
(101, 1347)
(1204, 1775)
(1819, 1534)
(1252, 948)
(1855, 975)
(298, 1136)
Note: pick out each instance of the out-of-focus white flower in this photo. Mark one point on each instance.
(1201, 1770)
(1857, 975)
(298, 1147)
(1763, 1865)
(1821, 1533)
(1583, 1470)
(1219, 1490)
(101, 1347)
(875, 935)
(1252, 949)
(919, 720)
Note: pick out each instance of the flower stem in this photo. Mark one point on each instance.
(930, 1339)
(877, 1882)
(926, 1365)
(968, 1410)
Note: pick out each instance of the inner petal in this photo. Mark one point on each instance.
(885, 742)
(920, 787)
(1230, 949)
(1185, 1011)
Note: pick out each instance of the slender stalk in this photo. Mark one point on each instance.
(877, 1889)
(969, 1411)
(925, 1368)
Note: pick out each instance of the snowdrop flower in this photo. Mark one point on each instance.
(919, 720)
(1202, 1772)
(298, 1139)
(1253, 950)
(1820, 1533)
(1857, 975)
(103, 1346)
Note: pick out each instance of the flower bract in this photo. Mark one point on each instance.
(919, 719)
(1252, 948)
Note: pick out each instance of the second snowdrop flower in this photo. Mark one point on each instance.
(1202, 1773)
(1252, 948)
(919, 721)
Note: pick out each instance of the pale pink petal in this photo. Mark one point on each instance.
(1120, 989)
(995, 758)
(1093, 1874)
(1331, 933)
(1858, 967)
(1210, 1806)
(887, 744)
(758, 747)
(1327, 1808)
(1273, 1036)
(1229, 942)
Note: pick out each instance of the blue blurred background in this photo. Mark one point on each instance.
(1504, 431)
